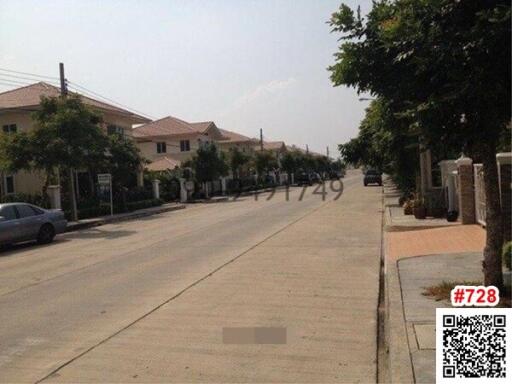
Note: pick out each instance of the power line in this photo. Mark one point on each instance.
(79, 88)
(13, 83)
(25, 78)
(29, 74)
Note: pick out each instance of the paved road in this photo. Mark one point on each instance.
(146, 300)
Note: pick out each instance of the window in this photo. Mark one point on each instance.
(185, 145)
(115, 130)
(9, 183)
(9, 128)
(161, 147)
(8, 213)
(25, 210)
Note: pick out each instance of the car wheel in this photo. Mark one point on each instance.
(46, 234)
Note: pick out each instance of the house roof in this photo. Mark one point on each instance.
(273, 144)
(233, 137)
(170, 125)
(30, 96)
(201, 126)
(163, 164)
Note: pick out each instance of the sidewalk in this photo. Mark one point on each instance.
(97, 221)
(419, 255)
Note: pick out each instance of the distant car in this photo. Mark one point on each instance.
(316, 178)
(23, 222)
(372, 177)
(304, 178)
(336, 175)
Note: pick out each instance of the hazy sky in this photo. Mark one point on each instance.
(244, 64)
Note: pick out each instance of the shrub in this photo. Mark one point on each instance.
(39, 200)
(133, 206)
(507, 255)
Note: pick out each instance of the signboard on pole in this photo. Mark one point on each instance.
(105, 187)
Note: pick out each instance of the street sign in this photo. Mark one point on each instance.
(104, 178)
(105, 187)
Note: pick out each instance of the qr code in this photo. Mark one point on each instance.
(473, 344)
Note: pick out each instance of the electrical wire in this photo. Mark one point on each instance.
(81, 89)
(29, 74)
(26, 78)
(9, 79)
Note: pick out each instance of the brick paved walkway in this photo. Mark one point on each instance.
(461, 238)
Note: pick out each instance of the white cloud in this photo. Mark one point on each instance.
(263, 91)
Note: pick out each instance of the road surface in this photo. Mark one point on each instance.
(147, 300)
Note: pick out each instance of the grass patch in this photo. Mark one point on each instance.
(442, 291)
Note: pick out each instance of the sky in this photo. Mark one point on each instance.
(243, 64)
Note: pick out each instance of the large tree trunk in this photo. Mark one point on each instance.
(72, 196)
(492, 252)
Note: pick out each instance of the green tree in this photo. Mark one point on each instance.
(264, 162)
(66, 136)
(208, 163)
(237, 160)
(289, 163)
(446, 65)
(122, 160)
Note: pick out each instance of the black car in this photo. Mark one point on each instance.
(372, 177)
(304, 178)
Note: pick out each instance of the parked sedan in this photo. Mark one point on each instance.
(23, 222)
(372, 177)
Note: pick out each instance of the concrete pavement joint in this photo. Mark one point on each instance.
(179, 293)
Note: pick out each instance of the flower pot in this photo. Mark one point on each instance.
(420, 212)
(452, 216)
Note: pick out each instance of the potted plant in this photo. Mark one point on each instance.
(408, 206)
(419, 210)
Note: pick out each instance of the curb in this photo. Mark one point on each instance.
(400, 367)
(96, 222)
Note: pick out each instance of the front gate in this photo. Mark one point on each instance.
(479, 193)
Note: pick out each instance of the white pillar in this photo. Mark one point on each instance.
(54, 195)
(156, 189)
(140, 178)
(183, 191)
(223, 185)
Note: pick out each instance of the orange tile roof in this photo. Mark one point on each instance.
(30, 96)
(163, 164)
(165, 127)
(232, 137)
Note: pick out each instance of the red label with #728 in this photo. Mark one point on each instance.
(475, 296)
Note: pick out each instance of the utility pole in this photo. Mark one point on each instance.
(307, 149)
(327, 151)
(63, 81)
(261, 139)
(72, 193)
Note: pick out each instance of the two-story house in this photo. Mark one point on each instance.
(16, 108)
(168, 142)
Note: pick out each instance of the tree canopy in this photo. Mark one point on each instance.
(209, 163)
(445, 67)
